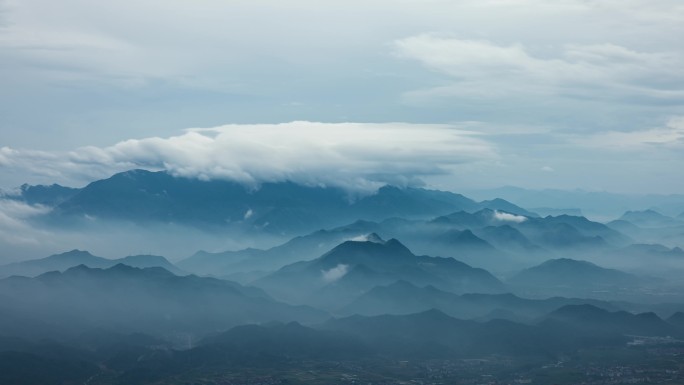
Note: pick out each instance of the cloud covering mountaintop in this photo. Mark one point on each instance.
(356, 156)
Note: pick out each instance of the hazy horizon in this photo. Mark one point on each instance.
(341, 192)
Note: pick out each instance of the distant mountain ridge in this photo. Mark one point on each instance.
(284, 207)
(589, 317)
(649, 218)
(69, 259)
(601, 204)
(565, 275)
(128, 299)
(47, 195)
(402, 297)
(435, 334)
(494, 240)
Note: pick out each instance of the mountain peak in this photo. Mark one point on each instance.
(397, 246)
(371, 246)
(372, 237)
(432, 315)
(73, 255)
(580, 311)
(649, 218)
(566, 272)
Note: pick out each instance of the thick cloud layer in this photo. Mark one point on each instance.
(352, 155)
(363, 156)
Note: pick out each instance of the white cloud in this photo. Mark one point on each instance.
(14, 226)
(487, 70)
(507, 217)
(335, 273)
(670, 136)
(353, 155)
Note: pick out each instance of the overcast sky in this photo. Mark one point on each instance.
(455, 94)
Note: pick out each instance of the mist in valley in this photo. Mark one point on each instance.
(341, 192)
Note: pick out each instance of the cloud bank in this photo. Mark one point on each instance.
(486, 70)
(14, 228)
(668, 137)
(351, 155)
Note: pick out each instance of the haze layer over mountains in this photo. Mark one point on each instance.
(400, 274)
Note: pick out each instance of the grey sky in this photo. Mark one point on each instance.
(564, 93)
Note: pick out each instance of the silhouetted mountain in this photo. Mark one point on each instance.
(464, 239)
(56, 262)
(143, 196)
(593, 203)
(435, 334)
(300, 248)
(508, 238)
(560, 232)
(219, 264)
(649, 218)
(469, 248)
(559, 236)
(553, 211)
(282, 208)
(287, 341)
(468, 220)
(590, 228)
(677, 319)
(354, 267)
(495, 240)
(264, 353)
(126, 299)
(570, 273)
(624, 227)
(589, 317)
(653, 251)
(402, 297)
(51, 195)
(667, 233)
(420, 234)
(506, 206)
(64, 261)
(144, 261)
(391, 201)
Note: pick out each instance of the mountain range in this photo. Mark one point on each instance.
(69, 259)
(354, 267)
(597, 204)
(127, 299)
(495, 240)
(297, 283)
(570, 273)
(402, 297)
(141, 196)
